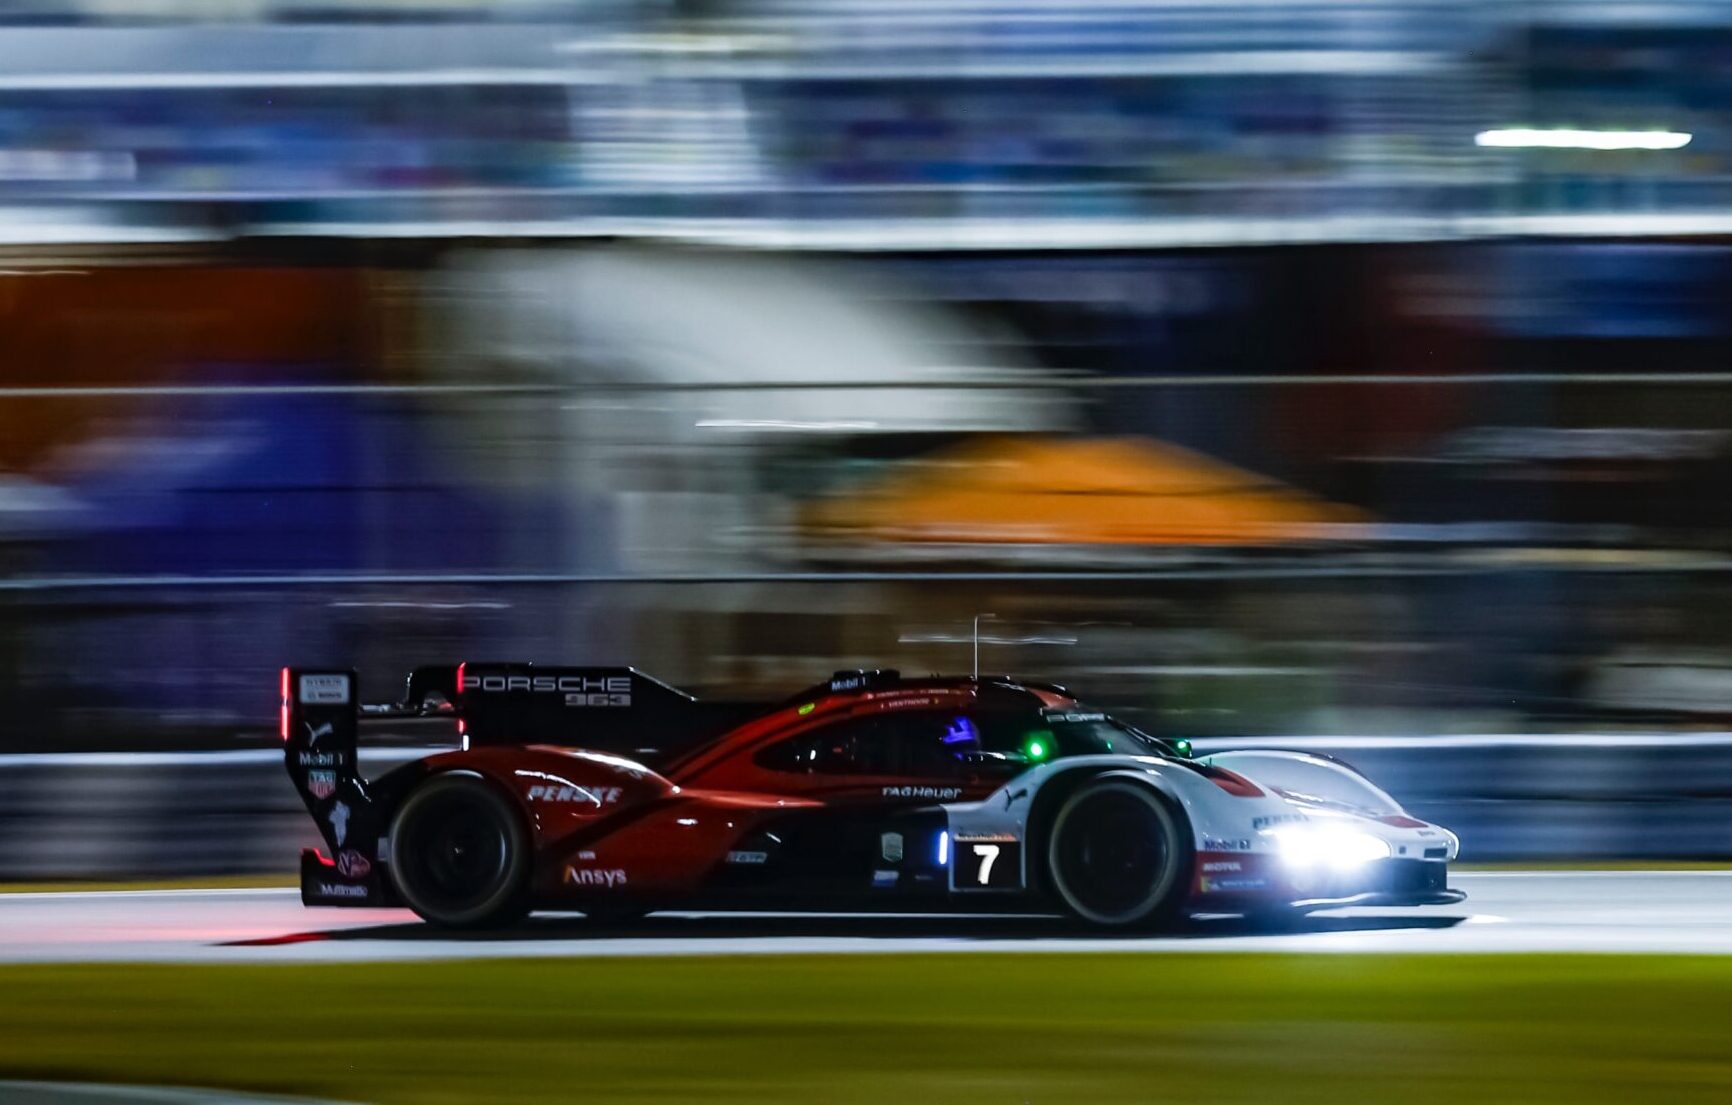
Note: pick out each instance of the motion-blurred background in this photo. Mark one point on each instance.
(1272, 368)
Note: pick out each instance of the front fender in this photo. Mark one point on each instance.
(1218, 820)
(1309, 777)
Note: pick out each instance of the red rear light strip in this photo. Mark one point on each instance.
(457, 692)
(283, 714)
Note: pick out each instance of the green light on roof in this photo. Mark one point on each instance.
(1037, 749)
(807, 708)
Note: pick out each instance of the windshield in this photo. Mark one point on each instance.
(1068, 732)
(1091, 733)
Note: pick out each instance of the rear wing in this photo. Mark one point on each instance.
(614, 709)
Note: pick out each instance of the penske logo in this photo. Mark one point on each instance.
(571, 793)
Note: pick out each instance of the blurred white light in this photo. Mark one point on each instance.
(1566, 139)
(1313, 845)
(780, 424)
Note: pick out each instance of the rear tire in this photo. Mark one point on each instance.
(1119, 856)
(460, 853)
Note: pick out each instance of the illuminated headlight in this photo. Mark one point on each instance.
(1313, 845)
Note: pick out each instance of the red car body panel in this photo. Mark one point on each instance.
(602, 823)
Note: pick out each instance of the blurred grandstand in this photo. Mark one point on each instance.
(1359, 366)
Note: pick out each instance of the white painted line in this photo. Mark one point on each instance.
(183, 892)
(193, 759)
(1419, 741)
(1588, 873)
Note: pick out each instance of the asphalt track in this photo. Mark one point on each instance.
(1506, 911)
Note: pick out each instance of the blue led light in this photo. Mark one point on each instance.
(961, 730)
(943, 848)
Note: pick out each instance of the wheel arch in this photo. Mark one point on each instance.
(413, 783)
(1056, 788)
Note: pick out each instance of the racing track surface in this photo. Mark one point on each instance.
(1506, 911)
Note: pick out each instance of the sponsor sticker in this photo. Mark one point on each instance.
(339, 890)
(577, 690)
(319, 759)
(321, 783)
(1224, 865)
(1277, 819)
(1227, 885)
(339, 818)
(884, 878)
(353, 865)
(1215, 844)
(607, 878)
(592, 796)
(324, 690)
(890, 847)
(923, 792)
(749, 858)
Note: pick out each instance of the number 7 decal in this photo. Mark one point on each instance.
(987, 853)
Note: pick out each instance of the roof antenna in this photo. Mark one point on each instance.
(977, 618)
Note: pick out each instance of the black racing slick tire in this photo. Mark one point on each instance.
(460, 853)
(1118, 856)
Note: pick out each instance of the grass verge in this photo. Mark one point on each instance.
(1421, 1030)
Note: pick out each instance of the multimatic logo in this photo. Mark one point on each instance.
(579, 690)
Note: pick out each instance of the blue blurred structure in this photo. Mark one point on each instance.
(405, 329)
(1103, 123)
(283, 484)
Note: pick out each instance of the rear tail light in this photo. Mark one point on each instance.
(283, 713)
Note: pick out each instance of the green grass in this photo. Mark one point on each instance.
(909, 1030)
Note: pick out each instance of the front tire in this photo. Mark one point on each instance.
(1119, 856)
(460, 853)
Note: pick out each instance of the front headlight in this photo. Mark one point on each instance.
(1314, 845)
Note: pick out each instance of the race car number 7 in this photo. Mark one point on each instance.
(988, 865)
(987, 853)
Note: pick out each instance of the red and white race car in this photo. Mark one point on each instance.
(605, 791)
